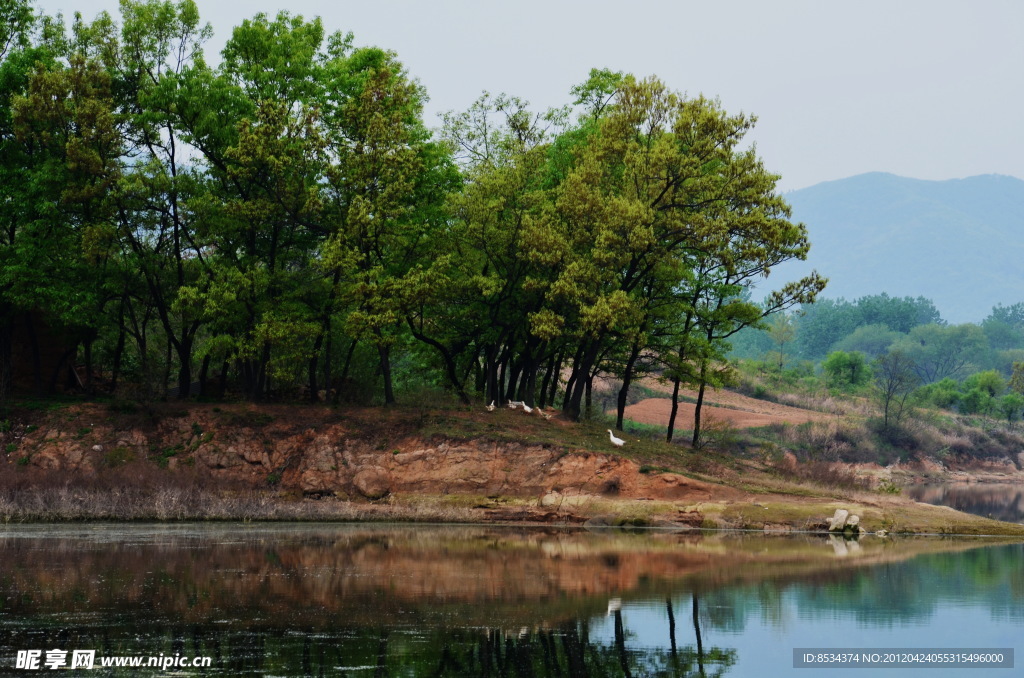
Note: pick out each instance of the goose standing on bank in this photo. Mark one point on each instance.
(617, 442)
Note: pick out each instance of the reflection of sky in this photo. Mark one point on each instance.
(764, 638)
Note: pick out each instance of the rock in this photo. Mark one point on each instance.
(838, 520)
(551, 499)
(853, 522)
(372, 483)
(97, 448)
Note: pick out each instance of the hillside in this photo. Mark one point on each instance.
(956, 242)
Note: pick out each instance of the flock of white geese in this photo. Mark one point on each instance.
(519, 404)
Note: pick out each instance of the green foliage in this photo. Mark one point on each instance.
(945, 394)
(1010, 405)
(989, 381)
(1017, 378)
(939, 351)
(826, 323)
(285, 224)
(976, 401)
(871, 340)
(846, 370)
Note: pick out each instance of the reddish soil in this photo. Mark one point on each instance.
(656, 411)
(736, 410)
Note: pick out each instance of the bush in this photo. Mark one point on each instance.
(846, 370)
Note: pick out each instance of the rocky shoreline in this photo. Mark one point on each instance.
(236, 462)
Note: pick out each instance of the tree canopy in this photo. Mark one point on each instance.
(286, 222)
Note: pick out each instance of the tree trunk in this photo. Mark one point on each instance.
(115, 370)
(348, 360)
(700, 642)
(627, 379)
(447, 358)
(37, 361)
(674, 410)
(513, 380)
(328, 358)
(185, 366)
(700, 403)
(546, 381)
(204, 376)
(581, 379)
(588, 405)
(87, 345)
(224, 378)
(555, 380)
(620, 645)
(6, 365)
(384, 352)
(491, 392)
(314, 388)
(671, 626)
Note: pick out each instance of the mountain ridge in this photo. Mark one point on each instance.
(958, 242)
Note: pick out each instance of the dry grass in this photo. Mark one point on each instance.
(138, 492)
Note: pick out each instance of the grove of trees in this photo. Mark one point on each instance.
(286, 222)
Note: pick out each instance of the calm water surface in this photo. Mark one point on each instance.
(301, 600)
(1002, 501)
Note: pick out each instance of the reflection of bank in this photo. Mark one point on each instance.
(475, 601)
(1001, 501)
(371, 575)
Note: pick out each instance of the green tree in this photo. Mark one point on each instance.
(1017, 379)
(782, 332)
(821, 325)
(67, 125)
(17, 160)
(661, 190)
(1010, 405)
(938, 351)
(161, 42)
(989, 381)
(871, 340)
(898, 314)
(846, 369)
(896, 378)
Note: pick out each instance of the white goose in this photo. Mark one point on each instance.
(491, 408)
(617, 442)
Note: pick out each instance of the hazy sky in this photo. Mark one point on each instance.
(930, 89)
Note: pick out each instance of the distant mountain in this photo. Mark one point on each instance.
(959, 243)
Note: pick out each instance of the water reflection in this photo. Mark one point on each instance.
(426, 601)
(1002, 501)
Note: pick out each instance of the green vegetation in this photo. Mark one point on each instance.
(285, 225)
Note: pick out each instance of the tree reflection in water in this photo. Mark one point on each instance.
(473, 602)
(565, 651)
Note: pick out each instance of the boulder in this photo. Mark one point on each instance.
(372, 483)
(838, 520)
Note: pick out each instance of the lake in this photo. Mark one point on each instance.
(1002, 501)
(358, 600)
